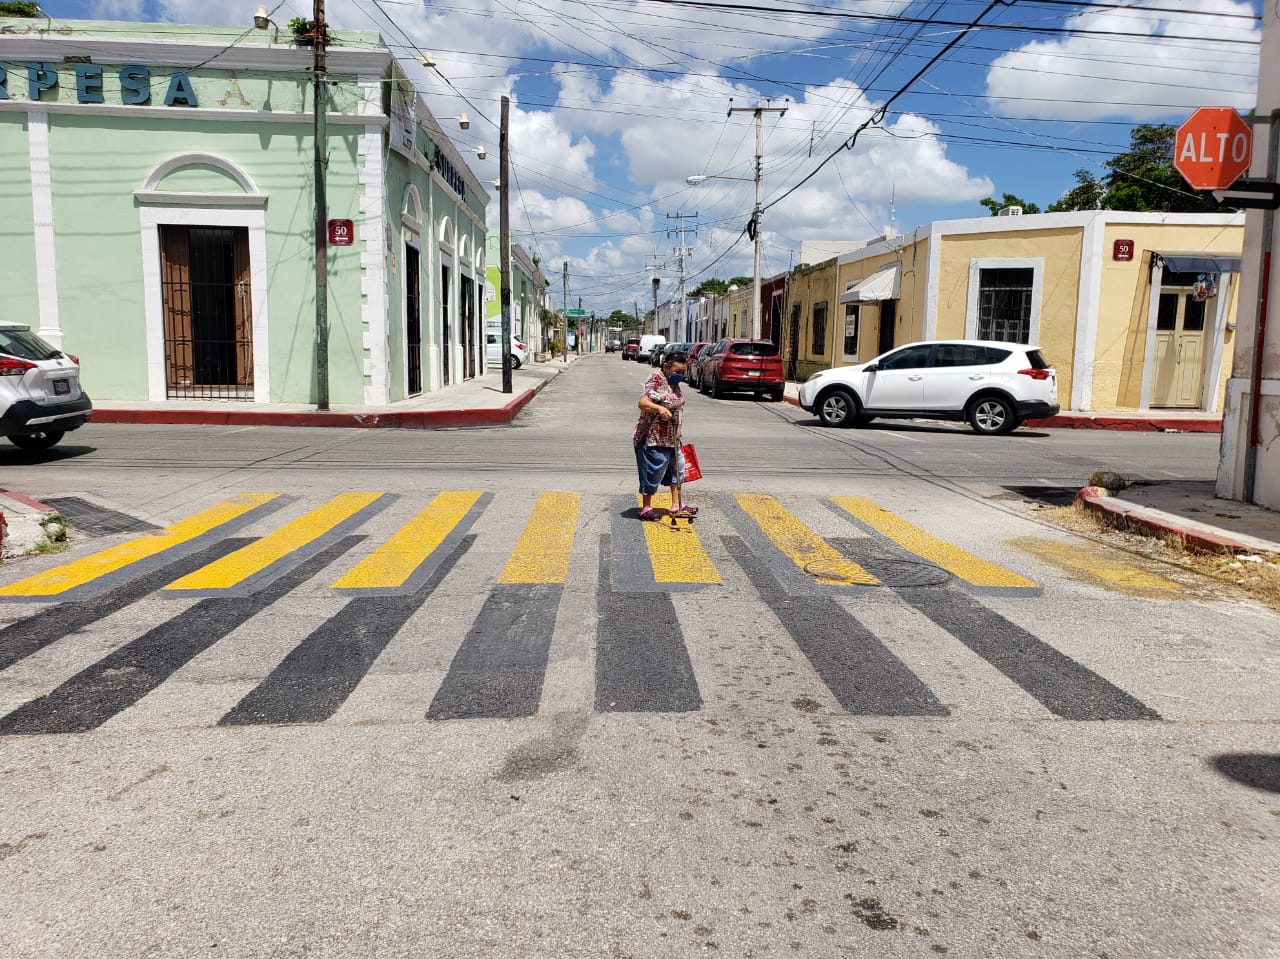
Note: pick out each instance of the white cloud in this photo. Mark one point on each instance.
(1089, 77)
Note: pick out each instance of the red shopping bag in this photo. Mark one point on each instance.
(689, 464)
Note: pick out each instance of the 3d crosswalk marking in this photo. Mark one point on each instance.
(675, 553)
(970, 568)
(542, 553)
(392, 564)
(233, 570)
(79, 572)
(808, 551)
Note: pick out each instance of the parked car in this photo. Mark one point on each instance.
(612, 346)
(631, 349)
(741, 366)
(40, 395)
(493, 356)
(647, 343)
(993, 385)
(695, 363)
(660, 354)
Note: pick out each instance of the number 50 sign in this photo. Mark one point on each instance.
(341, 233)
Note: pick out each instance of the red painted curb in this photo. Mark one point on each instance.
(27, 501)
(1126, 517)
(405, 420)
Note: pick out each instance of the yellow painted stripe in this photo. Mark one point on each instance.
(950, 557)
(802, 545)
(236, 567)
(542, 552)
(675, 552)
(1103, 566)
(81, 571)
(394, 562)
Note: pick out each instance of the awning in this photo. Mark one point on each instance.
(1200, 262)
(882, 285)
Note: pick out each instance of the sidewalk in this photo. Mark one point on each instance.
(474, 402)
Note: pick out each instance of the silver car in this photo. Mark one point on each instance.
(40, 395)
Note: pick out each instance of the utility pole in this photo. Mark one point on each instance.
(655, 264)
(504, 246)
(753, 227)
(320, 137)
(681, 252)
(564, 304)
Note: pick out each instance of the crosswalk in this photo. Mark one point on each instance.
(467, 589)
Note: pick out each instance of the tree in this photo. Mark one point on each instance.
(619, 318)
(741, 281)
(20, 10)
(995, 206)
(1088, 194)
(1142, 179)
(711, 287)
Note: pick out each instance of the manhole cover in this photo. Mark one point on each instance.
(1053, 495)
(906, 572)
(84, 517)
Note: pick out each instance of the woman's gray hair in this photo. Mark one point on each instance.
(669, 358)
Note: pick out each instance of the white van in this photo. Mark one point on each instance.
(647, 343)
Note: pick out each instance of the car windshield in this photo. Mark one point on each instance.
(754, 349)
(25, 345)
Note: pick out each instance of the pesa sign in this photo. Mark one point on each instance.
(1212, 148)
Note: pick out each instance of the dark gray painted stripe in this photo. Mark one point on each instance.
(320, 673)
(498, 670)
(169, 558)
(642, 664)
(427, 568)
(1065, 687)
(281, 567)
(19, 640)
(863, 675)
(121, 679)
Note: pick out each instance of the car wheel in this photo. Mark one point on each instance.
(36, 441)
(715, 390)
(991, 415)
(775, 395)
(515, 362)
(838, 408)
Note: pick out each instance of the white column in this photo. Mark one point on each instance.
(42, 218)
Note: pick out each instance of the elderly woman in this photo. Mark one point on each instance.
(656, 436)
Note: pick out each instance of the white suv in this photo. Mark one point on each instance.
(993, 385)
(40, 395)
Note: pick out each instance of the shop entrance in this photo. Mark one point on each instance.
(467, 301)
(208, 316)
(1180, 335)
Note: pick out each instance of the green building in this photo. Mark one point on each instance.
(159, 200)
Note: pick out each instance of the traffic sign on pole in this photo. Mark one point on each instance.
(1212, 148)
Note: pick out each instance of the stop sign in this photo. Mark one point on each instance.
(1212, 148)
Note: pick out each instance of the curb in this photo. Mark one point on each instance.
(1197, 536)
(22, 523)
(392, 419)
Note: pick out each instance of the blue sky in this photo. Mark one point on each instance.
(616, 102)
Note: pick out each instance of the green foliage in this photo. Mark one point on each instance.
(741, 281)
(620, 318)
(995, 206)
(20, 10)
(1140, 180)
(710, 287)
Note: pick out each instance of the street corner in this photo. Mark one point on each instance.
(28, 526)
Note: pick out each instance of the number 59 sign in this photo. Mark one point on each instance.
(341, 233)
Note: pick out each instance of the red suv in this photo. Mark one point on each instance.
(743, 366)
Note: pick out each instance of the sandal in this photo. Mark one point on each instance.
(648, 513)
(689, 511)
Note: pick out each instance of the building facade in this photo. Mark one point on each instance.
(529, 298)
(159, 210)
(1136, 311)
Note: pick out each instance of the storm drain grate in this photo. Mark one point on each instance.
(1052, 495)
(85, 517)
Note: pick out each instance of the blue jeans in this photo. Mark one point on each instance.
(657, 467)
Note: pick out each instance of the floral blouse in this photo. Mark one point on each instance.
(651, 429)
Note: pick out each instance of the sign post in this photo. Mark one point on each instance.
(1213, 147)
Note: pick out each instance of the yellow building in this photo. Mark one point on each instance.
(1135, 310)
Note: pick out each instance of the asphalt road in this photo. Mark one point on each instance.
(425, 694)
